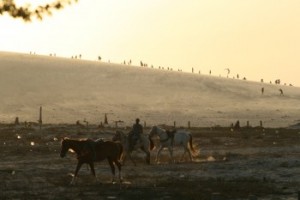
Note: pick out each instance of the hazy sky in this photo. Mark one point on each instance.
(254, 38)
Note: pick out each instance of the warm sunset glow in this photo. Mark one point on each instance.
(255, 39)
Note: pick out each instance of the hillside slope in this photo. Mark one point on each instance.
(71, 90)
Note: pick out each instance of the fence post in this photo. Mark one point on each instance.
(17, 121)
(248, 124)
(86, 123)
(260, 124)
(189, 124)
(40, 119)
(105, 119)
(174, 124)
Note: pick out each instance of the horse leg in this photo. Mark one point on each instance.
(190, 154)
(148, 158)
(171, 154)
(129, 155)
(158, 153)
(93, 170)
(182, 157)
(79, 164)
(112, 167)
(119, 168)
(147, 154)
(123, 157)
(186, 149)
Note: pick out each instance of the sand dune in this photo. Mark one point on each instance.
(71, 90)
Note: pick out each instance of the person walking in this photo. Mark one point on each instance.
(281, 92)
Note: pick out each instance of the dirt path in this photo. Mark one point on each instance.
(235, 165)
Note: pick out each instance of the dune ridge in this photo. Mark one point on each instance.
(72, 89)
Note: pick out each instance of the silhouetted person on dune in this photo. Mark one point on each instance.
(281, 92)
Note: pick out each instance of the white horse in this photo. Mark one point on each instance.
(179, 138)
(145, 144)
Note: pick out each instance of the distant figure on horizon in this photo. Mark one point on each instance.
(237, 125)
(281, 92)
(228, 71)
(262, 90)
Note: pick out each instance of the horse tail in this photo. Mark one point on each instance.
(151, 144)
(191, 143)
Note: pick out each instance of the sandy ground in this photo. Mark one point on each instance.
(231, 164)
(71, 90)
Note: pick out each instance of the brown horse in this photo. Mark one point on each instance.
(109, 150)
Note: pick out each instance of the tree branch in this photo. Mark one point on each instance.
(26, 13)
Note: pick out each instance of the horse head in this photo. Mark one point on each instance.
(117, 136)
(153, 131)
(64, 147)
